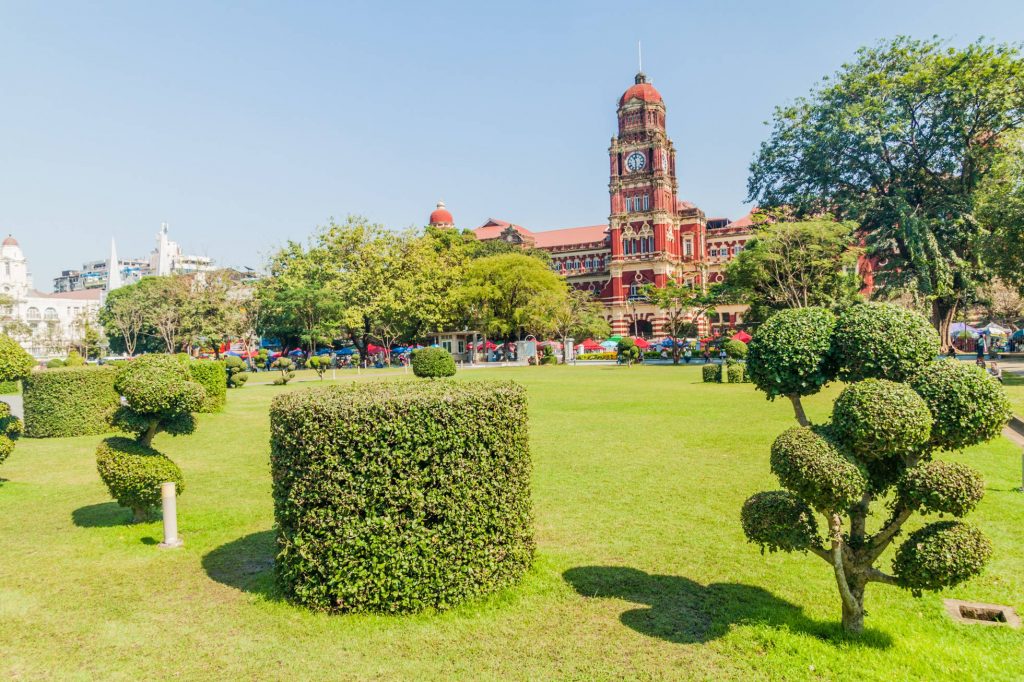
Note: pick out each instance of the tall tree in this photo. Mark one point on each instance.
(797, 265)
(1000, 209)
(123, 316)
(297, 303)
(572, 313)
(684, 306)
(899, 141)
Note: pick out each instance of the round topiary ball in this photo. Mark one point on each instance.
(809, 464)
(790, 352)
(875, 419)
(433, 363)
(133, 473)
(883, 341)
(968, 405)
(779, 521)
(941, 554)
(735, 349)
(157, 383)
(15, 362)
(941, 487)
(6, 448)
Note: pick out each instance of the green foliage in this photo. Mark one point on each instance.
(10, 426)
(547, 356)
(941, 487)
(6, 448)
(286, 370)
(236, 370)
(878, 419)
(432, 363)
(735, 372)
(735, 349)
(603, 355)
(15, 361)
(54, 363)
(158, 395)
(422, 499)
(900, 141)
(1000, 209)
(883, 341)
(968, 405)
(509, 294)
(73, 401)
(712, 373)
(940, 555)
(212, 376)
(811, 466)
(777, 520)
(74, 359)
(9, 387)
(133, 473)
(319, 364)
(790, 353)
(796, 265)
(627, 351)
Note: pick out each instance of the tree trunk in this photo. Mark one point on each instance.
(853, 614)
(147, 437)
(943, 311)
(139, 515)
(798, 409)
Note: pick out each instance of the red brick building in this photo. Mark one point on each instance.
(652, 235)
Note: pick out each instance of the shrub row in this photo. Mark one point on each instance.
(213, 377)
(395, 497)
(71, 401)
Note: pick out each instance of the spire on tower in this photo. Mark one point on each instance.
(114, 280)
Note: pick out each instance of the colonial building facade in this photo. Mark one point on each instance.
(652, 236)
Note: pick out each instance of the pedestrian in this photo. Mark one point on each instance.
(996, 371)
(721, 354)
(707, 356)
(687, 354)
(980, 347)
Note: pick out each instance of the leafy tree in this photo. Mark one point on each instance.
(796, 265)
(886, 427)
(158, 397)
(900, 141)
(683, 306)
(1000, 209)
(124, 314)
(506, 294)
(236, 371)
(286, 367)
(628, 352)
(298, 305)
(319, 364)
(572, 313)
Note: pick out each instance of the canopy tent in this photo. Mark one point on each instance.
(742, 336)
(609, 344)
(400, 349)
(373, 348)
(347, 351)
(591, 345)
(960, 327)
(489, 345)
(641, 343)
(994, 329)
(1019, 334)
(615, 337)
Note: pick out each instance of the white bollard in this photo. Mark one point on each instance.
(169, 496)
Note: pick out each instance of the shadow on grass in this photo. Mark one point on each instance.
(246, 564)
(102, 515)
(683, 611)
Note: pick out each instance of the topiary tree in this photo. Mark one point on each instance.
(735, 372)
(791, 355)
(735, 349)
(319, 364)
(15, 364)
(158, 396)
(712, 373)
(237, 372)
(627, 351)
(54, 363)
(433, 363)
(261, 357)
(74, 359)
(901, 409)
(286, 367)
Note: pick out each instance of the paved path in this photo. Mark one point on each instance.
(17, 407)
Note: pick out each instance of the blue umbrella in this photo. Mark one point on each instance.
(399, 349)
(346, 351)
(609, 345)
(235, 353)
(297, 351)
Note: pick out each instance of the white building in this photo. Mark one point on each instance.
(45, 324)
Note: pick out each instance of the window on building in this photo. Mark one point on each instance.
(50, 314)
(629, 204)
(32, 314)
(688, 248)
(647, 202)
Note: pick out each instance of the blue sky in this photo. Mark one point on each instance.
(244, 124)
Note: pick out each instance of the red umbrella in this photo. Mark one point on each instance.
(590, 344)
(742, 336)
(641, 343)
(371, 348)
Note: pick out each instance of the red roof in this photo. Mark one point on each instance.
(745, 221)
(641, 91)
(80, 295)
(568, 236)
(9, 241)
(441, 215)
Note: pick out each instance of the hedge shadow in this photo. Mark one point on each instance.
(683, 611)
(246, 564)
(103, 515)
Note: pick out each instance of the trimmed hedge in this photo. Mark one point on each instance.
(791, 353)
(396, 497)
(432, 363)
(9, 388)
(736, 373)
(133, 473)
(712, 373)
(213, 377)
(778, 520)
(71, 401)
(941, 554)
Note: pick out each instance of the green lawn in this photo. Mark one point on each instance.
(1014, 384)
(642, 570)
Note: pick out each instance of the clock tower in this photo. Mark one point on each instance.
(653, 234)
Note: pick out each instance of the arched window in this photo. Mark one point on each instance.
(50, 314)
(32, 314)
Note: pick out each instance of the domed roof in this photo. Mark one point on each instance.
(10, 241)
(441, 216)
(641, 90)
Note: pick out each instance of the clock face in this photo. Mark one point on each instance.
(636, 162)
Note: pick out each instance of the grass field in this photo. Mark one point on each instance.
(642, 569)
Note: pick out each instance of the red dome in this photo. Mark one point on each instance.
(441, 216)
(642, 90)
(9, 241)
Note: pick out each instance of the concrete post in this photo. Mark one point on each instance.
(169, 497)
